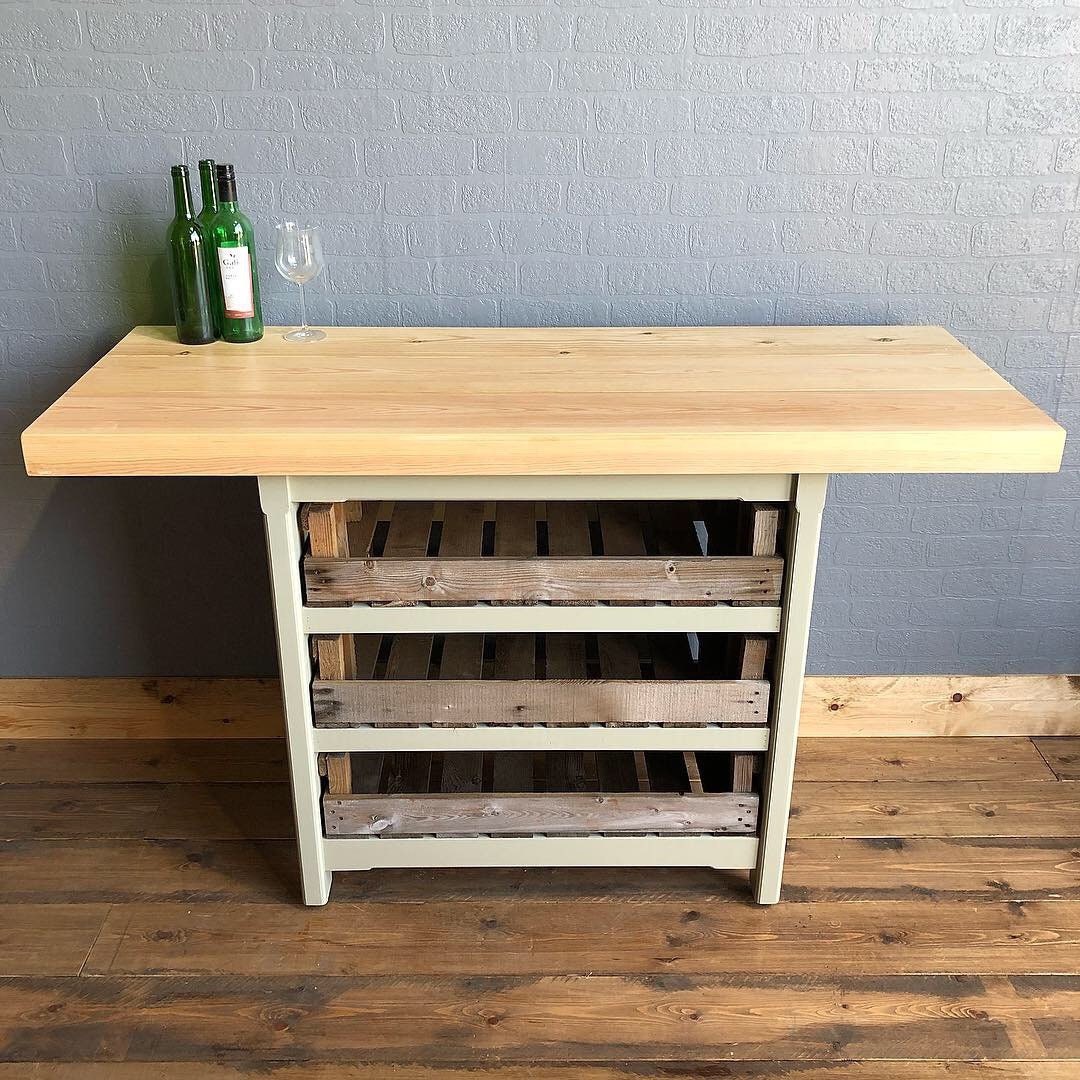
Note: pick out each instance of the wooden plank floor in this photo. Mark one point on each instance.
(931, 928)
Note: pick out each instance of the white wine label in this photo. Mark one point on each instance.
(234, 264)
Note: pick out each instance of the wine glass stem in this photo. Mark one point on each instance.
(303, 308)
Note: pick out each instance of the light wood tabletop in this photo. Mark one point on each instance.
(508, 401)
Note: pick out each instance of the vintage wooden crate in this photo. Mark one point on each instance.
(548, 680)
(537, 793)
(406, 553)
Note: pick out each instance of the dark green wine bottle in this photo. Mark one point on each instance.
(236, 292)
(208, 184)
(189, 258)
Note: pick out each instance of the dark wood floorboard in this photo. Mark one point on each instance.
(149, 927)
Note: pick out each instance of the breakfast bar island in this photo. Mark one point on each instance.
(543, 596)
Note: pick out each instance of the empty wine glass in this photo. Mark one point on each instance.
(299, 258)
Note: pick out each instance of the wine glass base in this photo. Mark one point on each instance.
(305, 333)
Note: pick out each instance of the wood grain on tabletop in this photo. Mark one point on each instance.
(565, 401)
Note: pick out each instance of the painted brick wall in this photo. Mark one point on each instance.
(782, 161)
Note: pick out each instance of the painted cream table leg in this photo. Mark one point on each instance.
(283, 541)
(804, 531)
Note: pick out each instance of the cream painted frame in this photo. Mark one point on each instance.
(763, 855)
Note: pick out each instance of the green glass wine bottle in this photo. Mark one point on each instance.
(208, 184)
(236, 292)
(189, 258)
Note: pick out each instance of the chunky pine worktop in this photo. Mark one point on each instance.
(599, 401)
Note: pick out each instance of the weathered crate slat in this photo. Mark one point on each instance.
(466, 703)
(554, 793)
(559, 815)
(646, 579)
(557, 552)
(548, 679)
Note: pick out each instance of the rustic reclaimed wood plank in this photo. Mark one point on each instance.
(146, 811)
(97, 761)
(328, 533)
(526, 700)
(989, 760)
(515, 529)
(410, 528)
(693, 773)
(258, 1069)
(568, 528)
(410, 658)
(48, 939)
(140, 708)
(520, 936)
(942, 705)
(508, 580)
(462, 530)
(935, 870)
(962, 808)
(1062, 756)
(337, 769)
(758, 528)
(462, 656)
(599, 1018)
(561, 814)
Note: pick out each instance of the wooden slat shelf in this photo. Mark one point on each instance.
(553, 793)
(464, 680)
(680, 552)
(571, 554)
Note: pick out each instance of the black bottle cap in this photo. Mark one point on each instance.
(226, 183)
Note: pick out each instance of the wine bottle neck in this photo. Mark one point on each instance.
(181, 194)
(206, 182)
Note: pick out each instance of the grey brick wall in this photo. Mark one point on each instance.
(484, 162)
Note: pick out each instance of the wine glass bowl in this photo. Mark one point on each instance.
(299, 258)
